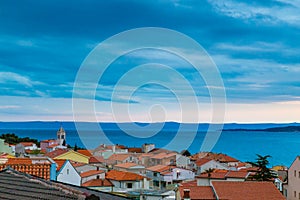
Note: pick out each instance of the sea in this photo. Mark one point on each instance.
(283, 147)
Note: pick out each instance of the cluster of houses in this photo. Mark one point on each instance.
(148, 172)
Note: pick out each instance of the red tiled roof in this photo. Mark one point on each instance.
(85, 152)
(189, 183)
(223, 174)
(249, 190)
(202, 161)
(135, 150)
(19, 161)
(163, 155)
(27, 144)
(77, 164)
(56, 153)
(237, 174)
(98, 183)
(25, 165)
(160, 168)
(123, 176)
(118, 157)
(48, 141)
(126, 165)
(91, 173)
(53, 145)
(96, 159)
(59, 163)
(198, 192)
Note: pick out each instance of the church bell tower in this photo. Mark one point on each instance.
(61, 136)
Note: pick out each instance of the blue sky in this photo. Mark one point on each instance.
(255, 45)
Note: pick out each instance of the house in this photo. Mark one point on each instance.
(162, 176)
(182, 161)
(69, 173)
(147, 147)
(20, 149)
(205, 179)
(40, 167)
(92, 175)
(126, 181)
(5, 148)
(292, 189)
(230, 190)
(220, 157)
(48, 145)
(68, 155)
(122, 158)
(130, 167)
(107, 150)
(163, 159)
(104, 185)
(203, 164)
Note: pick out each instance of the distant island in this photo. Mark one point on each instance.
(274, 129)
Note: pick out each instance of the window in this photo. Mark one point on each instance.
(295, 172)
(129, 185)
(295, 194)
(68, 171)
(98, 176)
(299, 174)
(62, 137)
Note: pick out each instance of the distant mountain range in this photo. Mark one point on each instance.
(274, 129)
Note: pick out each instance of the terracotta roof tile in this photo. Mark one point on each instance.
(223, 174)
(59, 163)
(198, 192)
(98, 183)
(19, 161)
(202, 161)
(96, 159)
(160, 168)
(123, 176)
(119, 157)
(126, 165)
(249, 190)
(135, 150)
(56, 153)
(85, 152)
(91, 173)
(27, 144)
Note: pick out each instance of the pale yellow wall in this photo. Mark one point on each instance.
(74, 156)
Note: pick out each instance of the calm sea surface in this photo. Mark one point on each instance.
(243, 145)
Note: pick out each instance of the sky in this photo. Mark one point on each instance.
(254, 44)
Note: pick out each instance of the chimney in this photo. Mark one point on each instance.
(186, 194)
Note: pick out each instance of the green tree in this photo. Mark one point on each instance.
(263, 173)
(209, 171)
(75, 147)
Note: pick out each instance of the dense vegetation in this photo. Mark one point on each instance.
(11, 138)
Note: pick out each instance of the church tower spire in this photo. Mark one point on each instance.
(61, 136)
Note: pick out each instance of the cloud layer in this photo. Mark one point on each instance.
(255, 45)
